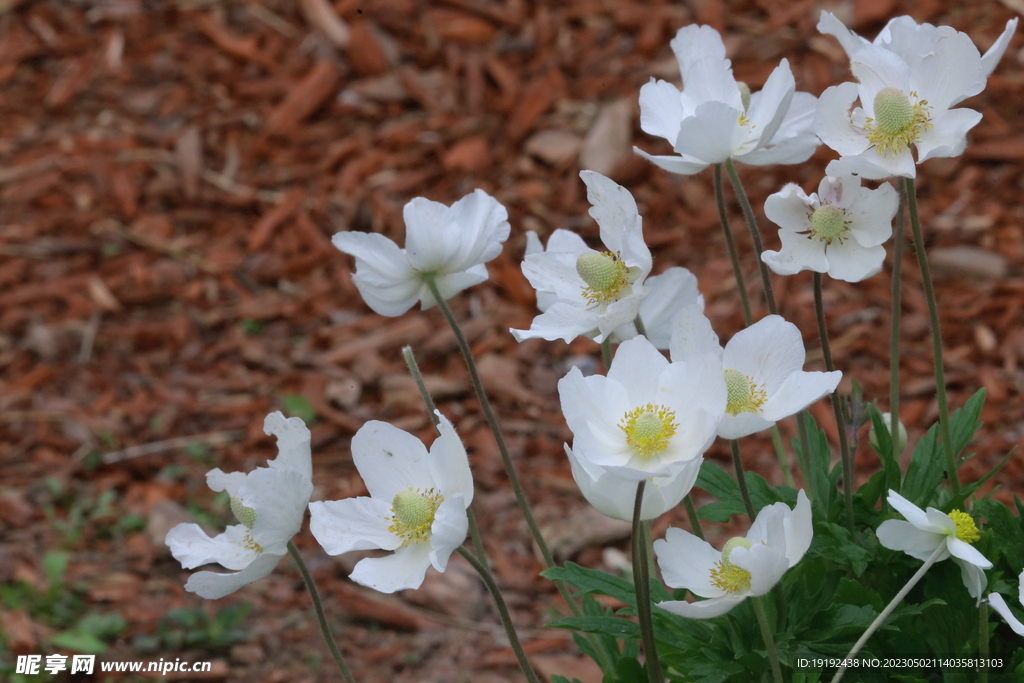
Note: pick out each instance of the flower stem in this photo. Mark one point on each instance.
(691, 513)
(880, 619)
(755, 235)
(804, 455)
(837, 407)
(780, 453)
(897, 314)
(506, 620)
(737, 463)
(933, 315)
(641, 580)
(606, 353)
(734, 256)
(324, 628)
(983, 640)
(769, 640)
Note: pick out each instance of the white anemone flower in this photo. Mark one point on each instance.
(449, 244)
(670, 291)
(270, 503)
(905, 102)
(762, 367)
(715, 118)
(839, 230)
(925, 531)
(646, 415)
(746, 566)
(615, 496)
(582, 291)
(999, 604)
(416, 507)
(910, 40)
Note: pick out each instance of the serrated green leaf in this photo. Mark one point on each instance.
(606, 625)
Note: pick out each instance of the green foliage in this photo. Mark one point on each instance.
(194, 628)
(296, 405)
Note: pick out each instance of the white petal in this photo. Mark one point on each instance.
(896, 534)
(671, 291)
(999, 604)
(876, 68)
(702, 609)
(951, 72)
(948, 136)
(533, 244)
(390, 460)
(686, 562)
(450, 240)
(613, 207)
(692, 335)
(212, 586)
(386, 281)
(637, 367)
(789, 208)
(791, 150)
(279, 498)
(799, 529)
(871, 212)
(225, 481)
(829, 24)
(765, 564)
(430, 237)
(403, 569)
(911, 512)
(451, 524)
(991, 58)
(967, 553)
(850, 262)
(660, 110)
(974, 579)
(449, 464)
(832, 121)
(483, 226)
(555, 271)
(450, 285)
(769, 109)
(798, 391)
(292, 443)
(709, 80)
(871, 165)
(192, 547)
(341, 526)
(768, 352)
(798, 252)
(744, 424)
(559, 321)
(712, 134)
(682, 165)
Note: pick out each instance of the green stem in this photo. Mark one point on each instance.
(755, 235)
(933, 315)
(734, 256)
(314, 595)
(837, 407)
(641, 579)
(983, 640)
(640, 329)
(691, 512)
(780, 453)
(417, 376)
(506, 620)
(769, 640)
(804, 455)
(890, 607)
(606, 353)
(737, 463)
(897, 315)
(474, 533)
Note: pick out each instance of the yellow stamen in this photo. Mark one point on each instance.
(828, 222)
(897, 123)
(649, 428)
(605, 274)
(413, 514)
(726, 575)
(744, 395)
(966, 529)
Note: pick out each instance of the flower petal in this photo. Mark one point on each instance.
(769, 109)
(341, 526)
(999, 604)
(292, 443)
(683, 165)
(768, 352)
(829, 24)
(449, 464)
(686, 562)
(948, 135)
(389, 460)
(560, 321)
(974, 579)
(211, 585)
(712, 134)
(871, 165)
(765, 564)
(279, 498)
(871, 212)
(851, 262)
(225, 481)
(674, 289)
(702, 609)
(692, 335)
(896, 534)
(798, 391)
(384, 278)
(967, 553)
(660, 109)
(402, 570)
(193, 548)
(951, 72)
(832, 121)
(790, 208)
(637, 367)
(798, 252)
(911, 512)
(991, 58)
(451, 524)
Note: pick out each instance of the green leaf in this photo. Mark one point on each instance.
(82, 642)
(890, 467)
(834, 542)
(589, 581)
(819, 457)
(55, 563)
(963, 423)
(295, 405)
(607, 625)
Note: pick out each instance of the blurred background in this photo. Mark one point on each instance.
(170, 176)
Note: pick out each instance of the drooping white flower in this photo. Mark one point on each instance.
(450, 244)
(582, 291)
(270, 503)
(416, 507)
(762, 367)
(924, 531)
(615, 496)
(715, 118)
(910, 40)
(745, 567)
(905, 99)
(997, 602)
(646, 415)
(839, 230)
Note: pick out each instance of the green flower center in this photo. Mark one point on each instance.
(605, 274)
(897, 123)
(649, 428)
(726, 575)
(744, 395)
(413, 514)
(966, 529)
(828, 222)
(245, 515)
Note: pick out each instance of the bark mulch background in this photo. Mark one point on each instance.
(170, 177)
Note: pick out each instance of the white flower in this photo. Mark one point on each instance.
(450, 244)
(905, 100)
(910, 40)
(715, 118)
(615, 496)
(997, 601)
(646, 415)
(746, 567)
(762, 367)
(417, 506)
(925, 531)
(670, 291)
(584, 291)
(270, 504)
(839, 231)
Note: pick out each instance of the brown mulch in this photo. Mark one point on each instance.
(170, 177)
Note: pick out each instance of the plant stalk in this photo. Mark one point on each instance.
(734, 256)
(769, 640)
(897, 316)
(641, 580)
(737, 463)
(755, 235)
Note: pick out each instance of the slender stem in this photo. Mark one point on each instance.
(737, 271)
(737, 463)
(314, 595)
(652, 564)
(641, 580)
(780, 453)
(474, 533)
(606, 353)
(766, 633)
(983, 640)
(837, 406)
(417, 376)
(804, 456)
(755, 235)
(933, 315)
(890, 607)
(897, 315)
(506, 620)
(691, 512)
